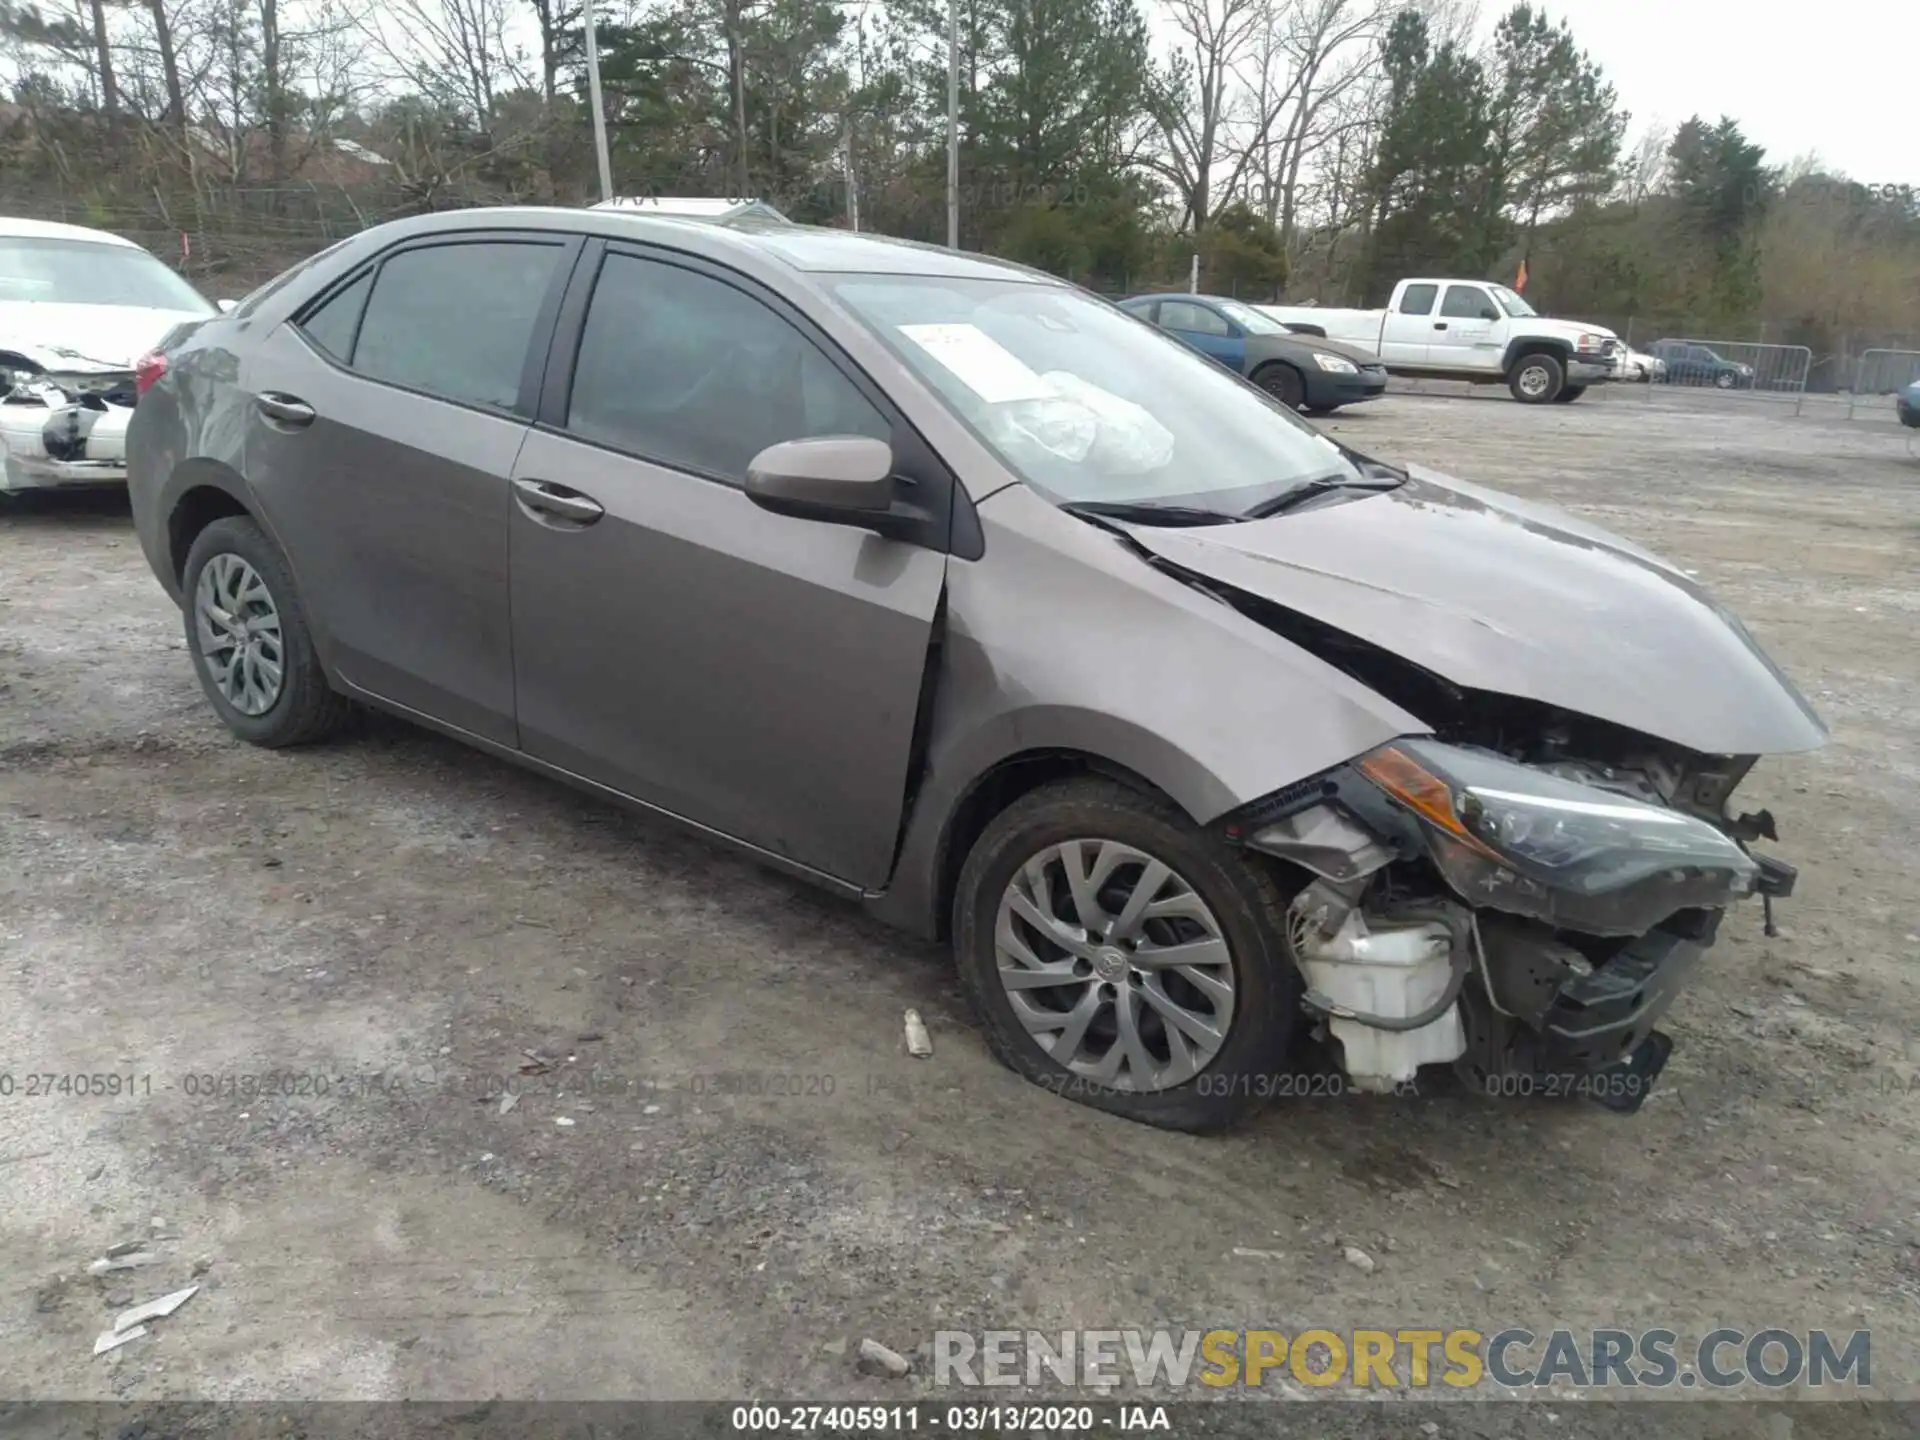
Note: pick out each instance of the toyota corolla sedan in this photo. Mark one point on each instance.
(947, 587)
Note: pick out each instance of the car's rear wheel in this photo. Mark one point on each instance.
(1121, 956)
(247, 631)
(1283, 382)
(1536, 379)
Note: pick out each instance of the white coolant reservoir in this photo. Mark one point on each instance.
(1395, 971)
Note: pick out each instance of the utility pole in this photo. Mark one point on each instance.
(599, 110)
(953, 124)
(853, 182)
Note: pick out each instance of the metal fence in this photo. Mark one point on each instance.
(1879, 374)
(1731, 367)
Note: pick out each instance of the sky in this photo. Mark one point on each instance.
(1835, 78)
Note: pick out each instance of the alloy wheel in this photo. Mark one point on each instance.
(237, 627)
(1114, 965)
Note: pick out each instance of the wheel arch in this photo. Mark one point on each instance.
(200, 492)
(951, 812)
(1517, 350)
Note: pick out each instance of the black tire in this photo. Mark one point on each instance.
(1569, 394)
(1320, 409)
(307, 708)
(1536, 378)
(1284, 383)
(1725, 380)
(1245, 897)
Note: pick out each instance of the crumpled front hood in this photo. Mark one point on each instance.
(1495, 593)
(84, 337)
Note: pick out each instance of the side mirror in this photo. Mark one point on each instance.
(836, 479)
(227, 306)
(1487, 312)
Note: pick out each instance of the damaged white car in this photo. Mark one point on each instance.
(79, 309)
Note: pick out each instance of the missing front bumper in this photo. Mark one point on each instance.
(50, 446)
(1544, 1021)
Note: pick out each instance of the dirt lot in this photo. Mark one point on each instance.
(179, 908)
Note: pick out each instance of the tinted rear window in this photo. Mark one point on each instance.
(454, 320)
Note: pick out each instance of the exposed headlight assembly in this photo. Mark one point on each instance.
(1514, 838)
(1335, 364)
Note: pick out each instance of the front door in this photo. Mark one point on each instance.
(1470, 331)
(383, 429)
(754, 673)
(1207, 331)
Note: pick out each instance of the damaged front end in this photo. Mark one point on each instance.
(1525, 916)
(63, 424)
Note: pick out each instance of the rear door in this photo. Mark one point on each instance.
(386, 418)
(1467, 333)
(1406, 332)
(755, 673)
(1207, 331)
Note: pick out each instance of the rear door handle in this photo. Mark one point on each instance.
(284, 409)
(545, 498)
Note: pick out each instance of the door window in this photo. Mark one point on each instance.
(455, 320)
(1418, 299)
(680, 367)
(1195, 319)
(333, 325)
(1467, 302)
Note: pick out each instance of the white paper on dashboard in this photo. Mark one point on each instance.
(980, 362)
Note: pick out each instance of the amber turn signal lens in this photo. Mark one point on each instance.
(1422, 792)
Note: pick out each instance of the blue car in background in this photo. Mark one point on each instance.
(1302, 372)
(1907, 406)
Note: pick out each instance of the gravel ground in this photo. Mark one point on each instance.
(399, 921)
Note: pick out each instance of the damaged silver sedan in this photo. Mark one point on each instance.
(78, 308)
(961, 593)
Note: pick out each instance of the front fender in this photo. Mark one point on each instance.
(1065, 639)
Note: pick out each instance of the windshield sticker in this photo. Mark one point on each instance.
(979, 362)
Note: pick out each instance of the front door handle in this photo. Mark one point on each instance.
(1439, 324)
(284, 409)
(557, 502)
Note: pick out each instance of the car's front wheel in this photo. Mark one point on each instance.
(1536, 379)
(1725, 380)
(1283, 383)
(1119, 955)
(248, 635)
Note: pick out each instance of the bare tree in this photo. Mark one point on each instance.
(1191, 106)
(455, 52)
(1307, 55)
(1645, 165)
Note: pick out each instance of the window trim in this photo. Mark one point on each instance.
(947, 528)
(533, 362)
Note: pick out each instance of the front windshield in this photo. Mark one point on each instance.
(1250, 319)
(85, 272)
(1512, 303)
(1086, 403)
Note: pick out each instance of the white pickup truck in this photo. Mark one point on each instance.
(1471, 330)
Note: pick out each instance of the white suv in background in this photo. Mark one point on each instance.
(78, 308)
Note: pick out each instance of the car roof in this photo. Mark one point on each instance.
(14, 227)
(801, 247)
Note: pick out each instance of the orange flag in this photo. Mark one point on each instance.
(1520, 280)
